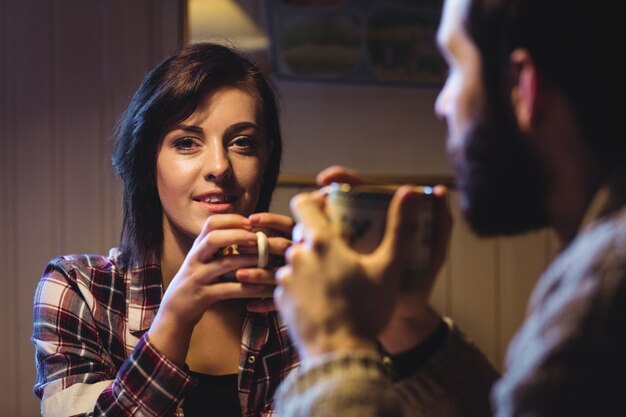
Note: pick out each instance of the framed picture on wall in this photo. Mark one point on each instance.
(368, 41)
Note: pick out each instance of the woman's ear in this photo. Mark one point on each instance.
(524, 90)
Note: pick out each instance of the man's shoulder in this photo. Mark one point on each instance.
(597, 254)
(584, 281)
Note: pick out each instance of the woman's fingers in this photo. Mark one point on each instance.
(272, 222)
(236, 290)
(209, 273)
(256, 276)
(215, 241)
(224, 221)
(276, 246)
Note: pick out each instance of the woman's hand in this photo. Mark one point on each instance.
(197, 284)
(278, 229)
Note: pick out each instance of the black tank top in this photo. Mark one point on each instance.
(215, 395)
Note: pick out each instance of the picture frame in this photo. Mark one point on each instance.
(307, 181)
(389, 42)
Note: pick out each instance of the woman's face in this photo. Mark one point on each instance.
(212, 162)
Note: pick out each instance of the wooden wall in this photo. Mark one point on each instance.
(67, 68)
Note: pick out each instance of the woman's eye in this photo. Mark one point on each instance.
(244, 143)
(184, 144)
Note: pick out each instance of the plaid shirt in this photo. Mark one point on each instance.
(94, 358)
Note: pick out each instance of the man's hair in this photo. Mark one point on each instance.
(169, 94)
(565, 39)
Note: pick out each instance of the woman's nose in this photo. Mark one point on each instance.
(217, 165)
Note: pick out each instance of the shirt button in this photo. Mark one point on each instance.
(251, 359)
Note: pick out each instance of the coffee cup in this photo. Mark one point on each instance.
(264, 258)
(359, 214)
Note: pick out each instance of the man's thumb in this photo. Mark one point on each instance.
(402, 221)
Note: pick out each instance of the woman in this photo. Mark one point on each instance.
(170, 323)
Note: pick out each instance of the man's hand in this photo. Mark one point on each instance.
(332, 297)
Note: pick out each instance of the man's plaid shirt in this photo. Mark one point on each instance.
(93, 357)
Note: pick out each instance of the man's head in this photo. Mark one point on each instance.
(505, 170)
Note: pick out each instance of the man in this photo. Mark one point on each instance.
(534, 142)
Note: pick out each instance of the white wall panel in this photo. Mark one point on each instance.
(8, 282)
(520, 263)
(473, 289)
(78, 85)
(36, 227)
(68, 68)
(373, 129)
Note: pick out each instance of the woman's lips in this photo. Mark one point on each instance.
(217, 207)
(217, 203)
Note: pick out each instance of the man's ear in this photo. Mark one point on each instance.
(524, 90)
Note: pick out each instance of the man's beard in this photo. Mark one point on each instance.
(502, 183)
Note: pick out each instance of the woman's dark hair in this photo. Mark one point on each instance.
(169, 94)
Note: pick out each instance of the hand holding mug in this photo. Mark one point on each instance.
(332, 297)
(359, 212)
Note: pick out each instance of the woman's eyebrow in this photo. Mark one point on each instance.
(189, 128)
(237, 127)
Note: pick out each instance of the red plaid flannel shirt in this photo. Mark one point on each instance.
(93, 358)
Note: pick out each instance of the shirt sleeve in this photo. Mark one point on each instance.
(568, 357)
(76, 376)
(348, 384)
